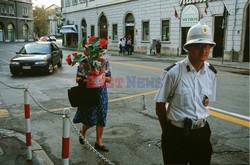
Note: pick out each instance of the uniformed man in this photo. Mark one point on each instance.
(185, 130)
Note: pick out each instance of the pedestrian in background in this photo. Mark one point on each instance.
(185, 130)
(120, 45)
(158, 48)
(129, 46)
(124, 44)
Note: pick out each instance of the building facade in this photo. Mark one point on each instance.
(167, 21)
(16, 21)
(54, 18)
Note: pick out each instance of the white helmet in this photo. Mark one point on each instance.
(199, 33)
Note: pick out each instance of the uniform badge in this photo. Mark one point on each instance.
(205, 29)
(205, 101)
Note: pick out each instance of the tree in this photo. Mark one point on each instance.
(40, 21)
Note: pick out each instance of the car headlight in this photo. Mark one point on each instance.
(14, 63)
(41, 63)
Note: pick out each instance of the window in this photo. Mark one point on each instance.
(25, 32)
(145, 31)
(74, 2)
(3, 8)
(165, 30)
(11, 9)
(10, 32)
(67, 3)
(92, 30)
(114, 34)
(82, 1)
(25, 11)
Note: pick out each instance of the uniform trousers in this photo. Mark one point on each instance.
(181, 148)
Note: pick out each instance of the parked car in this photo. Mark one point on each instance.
(52, 38)
(36, 56)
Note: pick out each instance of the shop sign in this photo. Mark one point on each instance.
(189, 16)
(186, 2)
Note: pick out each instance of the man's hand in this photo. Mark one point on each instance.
(161, 113)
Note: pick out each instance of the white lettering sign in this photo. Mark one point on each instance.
(189, 16)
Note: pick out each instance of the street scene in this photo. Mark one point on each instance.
(125, 82)
(132, 132)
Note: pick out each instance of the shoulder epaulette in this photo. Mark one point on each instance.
(169, 67)
(212, 68)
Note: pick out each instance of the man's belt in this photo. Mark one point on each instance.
(195, 124)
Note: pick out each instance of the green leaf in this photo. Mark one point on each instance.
(79, 46)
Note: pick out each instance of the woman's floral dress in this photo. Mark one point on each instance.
(97, 114)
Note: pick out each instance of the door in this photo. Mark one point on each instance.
(55, 54)
(246, 46)
(103, 27)
(184, 31)
(218, 37)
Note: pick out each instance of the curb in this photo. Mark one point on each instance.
(38, 154)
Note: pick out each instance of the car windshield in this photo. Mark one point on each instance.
(36, 49)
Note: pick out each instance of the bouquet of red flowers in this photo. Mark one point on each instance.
(93, 59)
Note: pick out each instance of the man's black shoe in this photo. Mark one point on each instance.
(81, 140)
(101, 148)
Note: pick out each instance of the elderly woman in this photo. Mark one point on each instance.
(93, 115)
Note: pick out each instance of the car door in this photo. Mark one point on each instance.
(55, 54)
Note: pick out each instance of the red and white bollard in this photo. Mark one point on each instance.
(28, 128)
(66, 137)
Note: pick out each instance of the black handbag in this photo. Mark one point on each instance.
(82, 96)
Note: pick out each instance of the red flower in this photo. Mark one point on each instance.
(103, 42)
(91, 39)
(74, 54)
(95, 72)
(69, 60)
(86, 53)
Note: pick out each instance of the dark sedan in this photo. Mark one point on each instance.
(38, 56)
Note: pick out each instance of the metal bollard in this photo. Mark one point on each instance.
(66, 137)
(28, 128)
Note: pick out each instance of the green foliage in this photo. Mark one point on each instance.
(40, 21)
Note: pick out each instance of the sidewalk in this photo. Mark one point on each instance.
(13, 150)
(235, 67)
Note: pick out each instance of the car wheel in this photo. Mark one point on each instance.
(60, 63)
(14, 73)
(50, 68)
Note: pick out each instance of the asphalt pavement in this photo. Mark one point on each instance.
(12, 144)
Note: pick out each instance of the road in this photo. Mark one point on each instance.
(132, 132)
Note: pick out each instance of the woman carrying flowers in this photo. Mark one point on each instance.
(93, 72)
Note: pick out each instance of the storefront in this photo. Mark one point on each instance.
(167, 21)
(70, 35)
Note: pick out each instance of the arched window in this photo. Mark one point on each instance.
(25, 32)
(10, 33)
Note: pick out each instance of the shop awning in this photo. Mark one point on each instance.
(68, 29)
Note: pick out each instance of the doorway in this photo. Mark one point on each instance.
(130, 28)
(103, 28)
(1, 32)
(218, 36)
(84, 32)
(184, 31)
(246, 46)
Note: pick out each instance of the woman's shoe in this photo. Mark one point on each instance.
(81, 140)
(101, 148)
